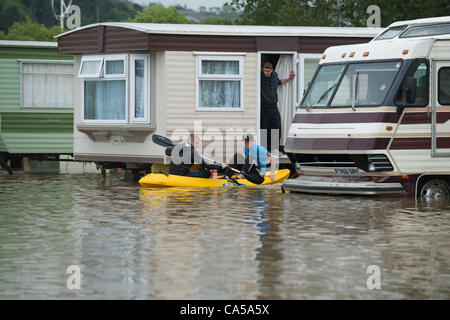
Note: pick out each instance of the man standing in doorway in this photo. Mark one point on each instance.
(270, 116)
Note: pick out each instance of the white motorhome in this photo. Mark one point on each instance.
(376, 117)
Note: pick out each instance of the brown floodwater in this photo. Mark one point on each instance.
(217, 243)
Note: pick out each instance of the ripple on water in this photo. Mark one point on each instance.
(218, 243)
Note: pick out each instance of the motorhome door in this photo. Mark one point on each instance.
(440, 131)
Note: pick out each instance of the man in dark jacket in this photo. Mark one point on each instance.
(184, 155)
(270, 116)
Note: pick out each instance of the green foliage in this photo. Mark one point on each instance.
(159, 14)
(334, 12)
(11, 11)
(215, 20)
(287, 13)
(354, 12)
(29, 31)
(40, 11)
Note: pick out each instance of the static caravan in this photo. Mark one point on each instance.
(36, 102)
(376, 117)
(135, 79)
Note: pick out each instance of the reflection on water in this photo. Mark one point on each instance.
(219, 243)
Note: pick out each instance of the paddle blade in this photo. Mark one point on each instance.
(162, 141)
(168, 151)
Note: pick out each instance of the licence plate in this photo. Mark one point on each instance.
(347, 171)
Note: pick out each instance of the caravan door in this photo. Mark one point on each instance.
(440, 131)
(284, 62)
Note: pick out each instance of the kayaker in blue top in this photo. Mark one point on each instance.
(255, 155)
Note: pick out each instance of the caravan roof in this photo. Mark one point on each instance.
(237, 30)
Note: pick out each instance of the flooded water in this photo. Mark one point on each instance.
(221, 243)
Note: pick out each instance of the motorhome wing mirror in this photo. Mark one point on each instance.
(411, 90)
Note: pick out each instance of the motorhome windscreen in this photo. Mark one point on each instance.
(322, 87)
(363, 84)
(429, 30)
(390, 33)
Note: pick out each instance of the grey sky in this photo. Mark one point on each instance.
(192, 4)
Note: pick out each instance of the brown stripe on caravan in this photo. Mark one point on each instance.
(319, 44)
(419, 143)
(174, 42)
(275, 43)
(336, 143)
(101, 38)
(366, 117)
(84, 41)
(121, 39)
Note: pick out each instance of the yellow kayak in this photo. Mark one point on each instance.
(162, 180)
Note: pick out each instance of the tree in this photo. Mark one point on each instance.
(159, 14)
(334, 12)
(30, 31)
(41, 11)
(354, 12)
(287, 13)
(215, 20)
(11, 11)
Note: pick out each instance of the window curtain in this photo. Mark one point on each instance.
(283, 69)
(220, 93)
(47, 85)
(220, 67)
(139, 93)
(114, 67)
(104, 100)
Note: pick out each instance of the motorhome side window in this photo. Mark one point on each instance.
(105, 93)
(391, 33)
(220, 82)
(418, 73)
(444, 86)
(427, 30)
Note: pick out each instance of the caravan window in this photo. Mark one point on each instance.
(140, 84)
(46, 84)
(220, 82)
(105, 95)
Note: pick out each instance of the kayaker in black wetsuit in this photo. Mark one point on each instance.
(184, 156)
